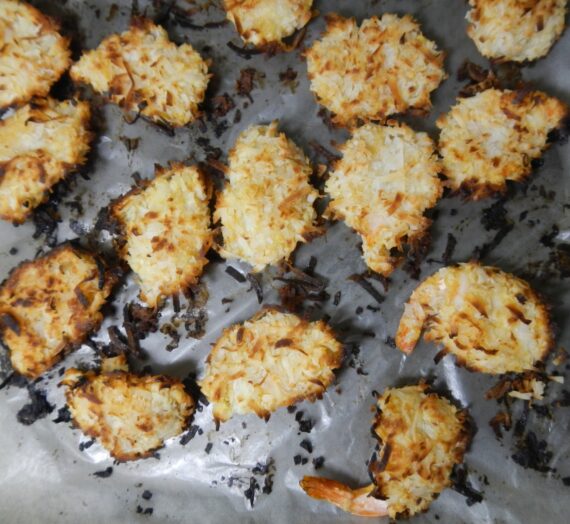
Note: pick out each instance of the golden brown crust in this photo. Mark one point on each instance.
(383, 185)
(141, 70)
(422, 436)
(267, 22)
(166, 230)
(40, 144)
(492, 137)
(130, 415)
(493, 322)
(272, 360)
(266, 207)
(515, 30)
(48, 306)
(355, 84)
(33, 55)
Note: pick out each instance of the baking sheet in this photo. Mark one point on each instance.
(45, 477)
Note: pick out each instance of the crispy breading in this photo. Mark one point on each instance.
(141, 70)
(266, 207)
(263, 22)
(422, 436)
(40, 144)
(383, 67)
(272, 360)
(131, 415)
(492, 137)
(166, 229)
(48, 306)
(490, 320)
(386, 180)
(515, 30)
(33, 55)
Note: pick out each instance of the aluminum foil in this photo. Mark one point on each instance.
(47, 469)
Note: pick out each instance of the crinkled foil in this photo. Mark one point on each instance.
(47, 469)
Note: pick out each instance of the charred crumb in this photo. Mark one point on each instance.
(359, 310)
(208, 448)
(13, 251)
(479, 79)
(145, 511)
(46, 219)
(171, 331)
(243, 52)
(63, 415)
(255, 285)
(501, 421)
(461, 484)
(481, 252)
(390, 342)
(323, 152)
(142, 320)
(367, 286)
(119, 344)
(36, 409)
(146, 494)
(495, 217)
(566, 481)
(337, 298)
(353, 352)
(237, 116)
(305, 425)
(289, 79)
(533, 453)
(131, 144)
(300, 460)
(221, 105)
(449, 249)
(372, 308)
(86, 444)
(104, 474)
(318, 462)
(307, 445)
(291, 409)
(300, 287)
(247, 82)
(548, 238)
(250, 492)
(208, 148)
(190, 434)
(236, 275)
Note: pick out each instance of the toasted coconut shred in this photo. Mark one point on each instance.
(422, 437)
(272, 360)
(166, 226)
(141, 70)
(48, 306)
(39, 145)
(493, 322)
(515, 30)
(382, 186)
(263, 22)
(492, 137)
(130, 415)
(266, 207)
(33, 55)
(383, 67)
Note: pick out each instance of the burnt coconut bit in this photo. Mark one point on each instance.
(411, 422)
(150, 408)
(274, 359)
(476, 313)
(50, 305)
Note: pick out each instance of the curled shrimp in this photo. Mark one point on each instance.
(356, 501)
(410, 327)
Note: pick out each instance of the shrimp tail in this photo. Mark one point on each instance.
(359, 502)
(410, 328)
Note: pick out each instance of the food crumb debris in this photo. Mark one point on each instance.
(147, 495)
(105, 473)
(461, 484)
(190, 434)
(37, 408)
(86, 444)
(208, 448)
(63, 415)
(318, 462)
(307, 445)
(299, 459)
